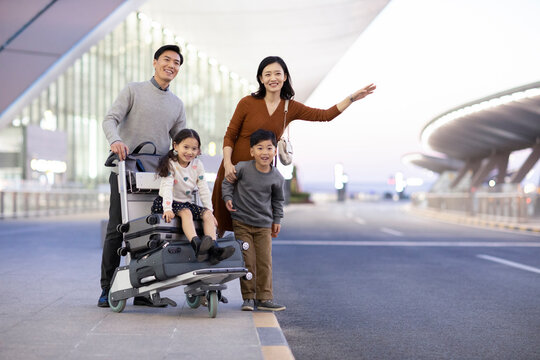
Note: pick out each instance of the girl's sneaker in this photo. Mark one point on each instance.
(218, 254)
(201, 247)
(268, 305)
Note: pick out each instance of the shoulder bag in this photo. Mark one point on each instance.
(285, 150)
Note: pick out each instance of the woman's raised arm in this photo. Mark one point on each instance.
(357, 95)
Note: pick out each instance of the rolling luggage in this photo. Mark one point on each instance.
(149, 232)
(174, 258)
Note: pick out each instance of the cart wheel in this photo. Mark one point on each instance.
(153, 219)
(117, 306)
(122, 228)
(212, 303)
(193, 301)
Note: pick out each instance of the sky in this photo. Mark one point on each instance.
(425, 57)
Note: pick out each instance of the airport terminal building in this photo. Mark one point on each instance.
(56, 139)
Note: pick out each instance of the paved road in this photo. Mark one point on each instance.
(371, 281)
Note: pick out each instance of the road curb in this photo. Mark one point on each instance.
(274, 346)
(460, 219)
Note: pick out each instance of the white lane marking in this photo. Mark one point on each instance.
(509, 263)
(407, 243)
(359, 221)
(391, 231)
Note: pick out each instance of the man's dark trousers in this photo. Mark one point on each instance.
(113, 239)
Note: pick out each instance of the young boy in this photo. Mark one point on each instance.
(255, 201)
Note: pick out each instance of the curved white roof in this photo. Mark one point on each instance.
(311, 36)
(502, 122)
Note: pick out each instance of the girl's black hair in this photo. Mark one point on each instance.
(163, 168)
(287, 91)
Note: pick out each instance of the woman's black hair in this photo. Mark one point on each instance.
(287, 91)
(163, 168)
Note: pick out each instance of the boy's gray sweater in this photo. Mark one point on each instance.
(257, 197)
(142, 112)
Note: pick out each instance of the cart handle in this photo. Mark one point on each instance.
(112, 159)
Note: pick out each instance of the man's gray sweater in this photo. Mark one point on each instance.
(257, 197)
(142, 112)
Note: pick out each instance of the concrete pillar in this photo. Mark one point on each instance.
(527, 165)
(502, 167)
(472, 165)
(495, 160)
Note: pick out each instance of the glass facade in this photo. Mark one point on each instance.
(71, 109)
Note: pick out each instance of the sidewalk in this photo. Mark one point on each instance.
(49, 276)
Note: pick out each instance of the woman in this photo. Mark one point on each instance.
(265, 109)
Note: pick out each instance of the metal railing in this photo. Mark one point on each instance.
(24, 203)
(513, 207)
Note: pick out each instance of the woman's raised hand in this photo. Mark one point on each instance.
(357, 95)
(363, 92)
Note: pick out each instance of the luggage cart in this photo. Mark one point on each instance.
(159, 256)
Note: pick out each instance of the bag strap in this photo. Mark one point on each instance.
(141, 145)
(285, 118)
(286, 109)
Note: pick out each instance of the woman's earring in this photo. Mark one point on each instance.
(175, 152)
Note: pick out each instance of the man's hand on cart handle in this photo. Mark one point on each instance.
(120, 149)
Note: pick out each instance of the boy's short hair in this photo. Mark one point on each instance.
(262, 135)
(164, 48)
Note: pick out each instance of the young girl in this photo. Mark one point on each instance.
(181, 172)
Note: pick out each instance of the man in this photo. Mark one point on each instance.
(143, 111)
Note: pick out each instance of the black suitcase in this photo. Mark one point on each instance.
(150, 232)
(176, 258)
